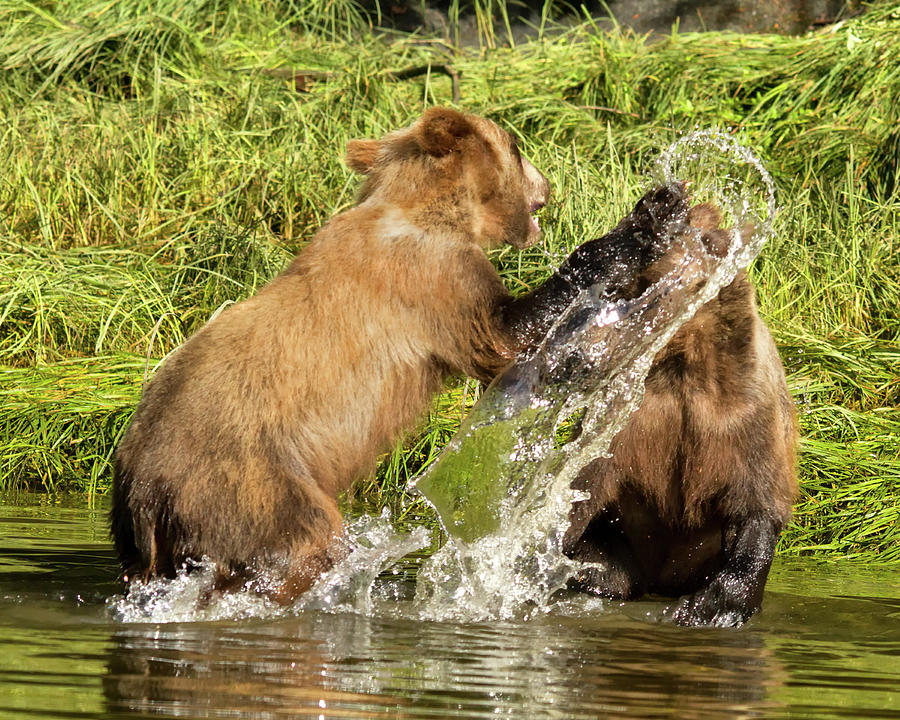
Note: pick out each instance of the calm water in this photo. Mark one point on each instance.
(827, 645)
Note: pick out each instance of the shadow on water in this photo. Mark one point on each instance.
(825, 646)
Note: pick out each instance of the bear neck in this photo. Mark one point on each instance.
(450, 214)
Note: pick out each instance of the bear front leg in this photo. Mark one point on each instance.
(736, 591)
(613, 263)
(612, 573)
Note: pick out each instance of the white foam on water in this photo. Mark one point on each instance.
(373, 544)
(376, 546)
(189, 597)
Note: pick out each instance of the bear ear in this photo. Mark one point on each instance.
(705, 217)
(361, 155)
(441, 129)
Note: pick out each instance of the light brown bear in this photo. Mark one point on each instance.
(246, 435)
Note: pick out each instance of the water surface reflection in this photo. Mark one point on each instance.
(607, 664)
(825, 646)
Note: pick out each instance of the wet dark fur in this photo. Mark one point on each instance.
(702, 479)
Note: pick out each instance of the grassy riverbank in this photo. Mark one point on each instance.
(161, 159)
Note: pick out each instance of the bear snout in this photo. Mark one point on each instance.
(537, 194)
(537, 187)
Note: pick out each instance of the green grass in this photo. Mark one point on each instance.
(156, 164)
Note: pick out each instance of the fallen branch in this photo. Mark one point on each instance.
(303, 79)
(419, 70)
(609, 109)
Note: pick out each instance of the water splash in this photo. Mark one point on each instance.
(729, 175)
(373, 544)
(189, 597)
(502, 486)
(376, 545)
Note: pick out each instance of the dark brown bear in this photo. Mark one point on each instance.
(246, 435)
(702, 479)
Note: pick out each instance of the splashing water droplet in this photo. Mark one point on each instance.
(375, 546)
(189, 597)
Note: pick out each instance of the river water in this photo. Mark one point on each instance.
(826, 645)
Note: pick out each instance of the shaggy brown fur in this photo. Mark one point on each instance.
(702, 478)
(245, 436)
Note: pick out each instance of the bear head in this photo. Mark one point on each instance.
(454, 168)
